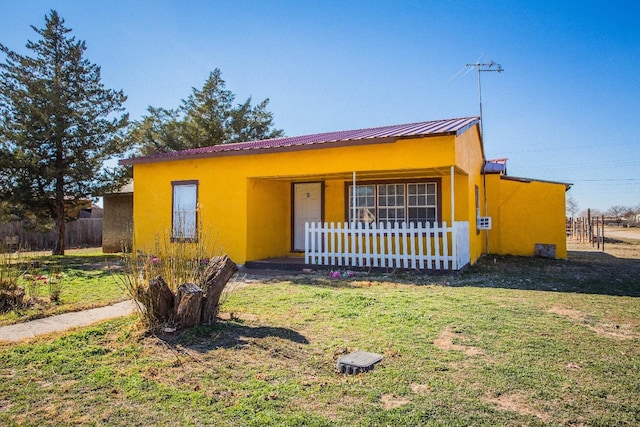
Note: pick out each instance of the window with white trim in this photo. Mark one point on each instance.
(184, 214)
(415, 202)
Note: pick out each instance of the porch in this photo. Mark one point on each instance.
(378, 247)
(308, 222)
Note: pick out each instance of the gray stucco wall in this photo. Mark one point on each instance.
(117, 226)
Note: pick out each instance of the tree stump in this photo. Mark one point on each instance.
(11, 298)
(216, 276)
(188, 305)
(191, 305)
(161, 299)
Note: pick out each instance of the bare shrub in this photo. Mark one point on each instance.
(11, 294)
(176, 260)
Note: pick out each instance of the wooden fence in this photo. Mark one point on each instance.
(393, 245)
(83, 232)
(587, 230)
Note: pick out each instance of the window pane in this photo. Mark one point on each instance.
(391, 202)
(422, 206)
(184, 197)
(365, 203)
(184, 225)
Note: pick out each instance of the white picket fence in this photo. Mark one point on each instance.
(391, 245)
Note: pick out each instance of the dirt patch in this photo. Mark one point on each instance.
(445, 342)
(611, 328)
(516, 403)
(566, 312)
(390, 401)
(420, 388)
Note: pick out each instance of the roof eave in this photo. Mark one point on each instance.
(450, 127)
(528, 180)
(256, 151)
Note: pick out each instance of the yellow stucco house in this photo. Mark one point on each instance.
(417, 196)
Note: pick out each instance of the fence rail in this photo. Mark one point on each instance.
(391, 245)
(81, 232)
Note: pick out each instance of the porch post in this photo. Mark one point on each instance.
(454, 230)
(353, 198)
(453, 201)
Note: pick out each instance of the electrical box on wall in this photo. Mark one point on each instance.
(483, 223)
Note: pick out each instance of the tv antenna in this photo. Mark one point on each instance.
(483, 67)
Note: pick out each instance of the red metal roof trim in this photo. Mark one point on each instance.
(430, 128)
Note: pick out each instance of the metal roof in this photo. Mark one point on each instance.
(495, 166)
(331, 139)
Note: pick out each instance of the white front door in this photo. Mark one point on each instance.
(307, 207)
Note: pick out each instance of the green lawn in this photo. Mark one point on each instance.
(90, 280)
(482, 348)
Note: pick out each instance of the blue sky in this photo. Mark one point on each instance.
(566, 108)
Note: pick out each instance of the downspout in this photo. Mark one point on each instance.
(486, 210)
(484, 180)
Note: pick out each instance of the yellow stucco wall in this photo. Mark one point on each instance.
(246, 199)
(525, 213)
(268, 214)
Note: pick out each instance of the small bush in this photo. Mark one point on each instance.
(178, 261)
(11, 295)
(56, 283)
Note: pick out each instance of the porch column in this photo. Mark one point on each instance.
(353, 200)
(453, 197)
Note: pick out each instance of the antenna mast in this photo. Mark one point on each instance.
(484, 67)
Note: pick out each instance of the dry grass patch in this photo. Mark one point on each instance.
(420, 388)
(391, 401)
(445, 342)
(620, 329)
(517, 403)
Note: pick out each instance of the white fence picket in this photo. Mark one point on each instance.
(420, 252)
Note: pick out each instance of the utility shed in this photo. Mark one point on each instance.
(117, 225)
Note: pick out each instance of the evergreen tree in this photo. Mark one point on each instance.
(58, 124)
(207, 117)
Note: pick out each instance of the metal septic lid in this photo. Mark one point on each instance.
(358, 361)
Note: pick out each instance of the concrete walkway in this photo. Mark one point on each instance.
(64, 321)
